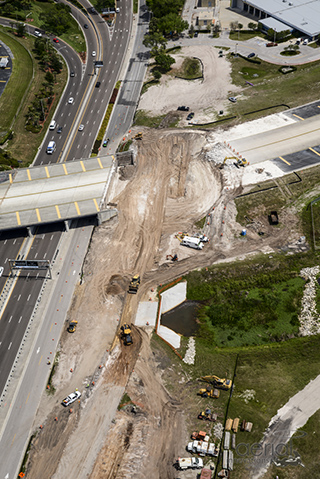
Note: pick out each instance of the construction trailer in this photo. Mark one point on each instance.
(184, 463)
(191, 242)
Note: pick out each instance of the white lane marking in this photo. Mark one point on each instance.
(10, 319)
(51, 237)
(19, 297)
(38, 350)
(45, 254)
(10, 345)
(29, 297)
(20, 319)
(6, 260)
(5, 241)
(15, 241)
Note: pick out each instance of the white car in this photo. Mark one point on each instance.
(232, 99)
(71, 398)
(81, 127)
(117, 10)
(93, 53)
(70, 100)
(37, 33)
(1, 271)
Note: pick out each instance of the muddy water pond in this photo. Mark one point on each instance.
(182, 319)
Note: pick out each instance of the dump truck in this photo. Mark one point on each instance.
(189, 463)
(72, 326)
(209, 392)
(218, 382)
(126, 334)
(134, 284)
(198, 436)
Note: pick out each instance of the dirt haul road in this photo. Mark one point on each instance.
(172, 186)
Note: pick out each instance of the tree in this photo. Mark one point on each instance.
(21, 29)
(191, 30)
(171, 24)
(252, 26)
(156, 74)
(57, 18)
(240, 26)
(161, 8)
(156, 41)
(49, 77)
(164, 61)
(233, 26)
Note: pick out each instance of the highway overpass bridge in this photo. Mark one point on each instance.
(60, 192)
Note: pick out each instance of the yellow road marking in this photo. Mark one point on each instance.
(3, 81)
(96, 204)
(40, 360)
(66, 173)
(284, 160)
(47, 171)
(28, 397)
(82, 166)
(10, 178)
(99, 161)
(13, 439)
(51, 327)
(300, 118)
(314, 151)
(65, 169)
(38, 215)
(77, 208)
(29, 176)
(18, 218)
(58, 211)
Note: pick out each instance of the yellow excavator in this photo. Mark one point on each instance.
(218, 382)
(238, 163)
(227, 158)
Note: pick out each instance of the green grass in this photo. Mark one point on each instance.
(143, 119)
(190, 69)
(13, 95)
(316, 223)
(243, 36)
(135, 6)
(200, 224)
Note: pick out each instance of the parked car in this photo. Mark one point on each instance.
(106, 141)
(183, 108)
(196, 34)
(71, 100)
(305, 41)
(37, 33)
(98, 84)
(71, 398)
(81, 127)
(251, 55)
(271, 44)
(55, 40)
(117, 10)
(59, 130)
(93, 53)
(190, 116)
(85, 26)
(72, 74)
(232, 99)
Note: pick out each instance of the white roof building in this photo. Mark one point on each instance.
(300, 15)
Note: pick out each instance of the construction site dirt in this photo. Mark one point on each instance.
(172, 186)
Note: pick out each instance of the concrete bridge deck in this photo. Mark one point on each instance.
(45, 194)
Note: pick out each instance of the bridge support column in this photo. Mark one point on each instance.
(66, 225)
(30, 230)
(99, 220)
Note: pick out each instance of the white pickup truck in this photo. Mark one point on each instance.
(189, 463)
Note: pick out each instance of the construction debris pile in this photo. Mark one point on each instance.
(309, 317)
(191, 352)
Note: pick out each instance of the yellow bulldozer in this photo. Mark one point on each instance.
(218, 383)
(126, 334)
(209, 392)
(138, 136)
(72, 326)
(134, 284)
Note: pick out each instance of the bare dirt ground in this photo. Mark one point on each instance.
(204, 97)
(172, 186)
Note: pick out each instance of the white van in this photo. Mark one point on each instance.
(51, 147)
(195, 243)
(53, 124)
(305, 41)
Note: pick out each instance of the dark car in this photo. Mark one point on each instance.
(72, 74)
(85, 26)
(183, 108)
(271, 44)
(251, 55)
(190, 116)
(98, 84)
(196, 34)
(59, 130)
(105, 143)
